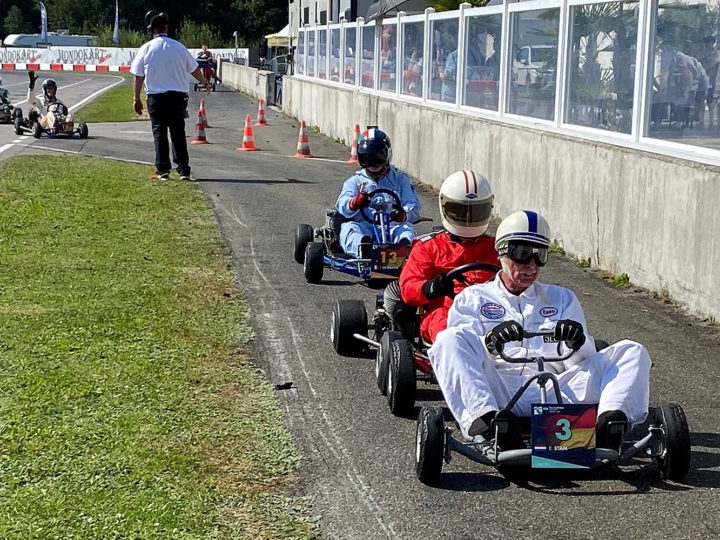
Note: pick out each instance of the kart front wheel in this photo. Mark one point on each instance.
(402, 384)
(304, 234)
(83, 130)
(382, 359)
(313, 264)
(36, 130)
(348, 317)
(429, 445)
(18, 125)
(674, 462)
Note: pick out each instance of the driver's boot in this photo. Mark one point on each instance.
(365, 250)
(609, 429)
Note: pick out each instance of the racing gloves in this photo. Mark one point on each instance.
(571, 332)
(440, 285)
(398, 214)
(503, 333)
(360, 200)
(33, 78)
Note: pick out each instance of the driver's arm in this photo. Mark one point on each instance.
(351, 187)
(419, 268)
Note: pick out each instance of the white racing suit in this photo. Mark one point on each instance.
(52, 109)
(475, 382)
(352, 232)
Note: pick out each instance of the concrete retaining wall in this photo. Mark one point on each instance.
(257, 83)
(653, 217)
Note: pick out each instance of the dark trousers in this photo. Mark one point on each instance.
(167, 111)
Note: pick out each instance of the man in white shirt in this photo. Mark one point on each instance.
(162, 64)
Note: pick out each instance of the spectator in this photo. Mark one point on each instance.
(710, 60)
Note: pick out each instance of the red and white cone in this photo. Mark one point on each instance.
(303, 147)
(204, 113)
(248, 142)
(261, 114)
(353, 148)
(199, 131)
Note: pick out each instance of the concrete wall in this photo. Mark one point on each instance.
(653, 217)
(252, 81)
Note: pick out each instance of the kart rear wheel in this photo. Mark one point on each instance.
(429, 445)
(36, 130)
(674, 462)
(402, 384)
(17, 112)
(18, 125)
(313, 264)
(304, 234)
(348, 317)
(382, 359)
(83, 130)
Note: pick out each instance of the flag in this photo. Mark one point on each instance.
(116, 30)
(43, 21)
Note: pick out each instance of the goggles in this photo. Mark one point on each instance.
(522, 253)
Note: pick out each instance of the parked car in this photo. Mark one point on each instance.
(534, 65)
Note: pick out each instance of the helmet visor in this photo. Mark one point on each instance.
(377, 159)
(467, 214)
(522, 253)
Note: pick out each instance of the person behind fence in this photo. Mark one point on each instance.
(51, 106)
(374, 155)
(493, 316)
(710, 59)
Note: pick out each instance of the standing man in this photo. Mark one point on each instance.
(163, 64)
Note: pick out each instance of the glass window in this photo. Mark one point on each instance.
(367, 59)
(482, 61)
(602, 65)
(533, 63)
(683, 102)
(349, 63)
(443, 79)
(335, 54)
(300, 56)
(413, 47)
(311, 53)
(388, 55)
(322, 54)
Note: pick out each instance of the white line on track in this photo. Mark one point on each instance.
(39, 96)
(63, 151)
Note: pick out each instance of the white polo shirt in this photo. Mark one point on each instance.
(165, 64)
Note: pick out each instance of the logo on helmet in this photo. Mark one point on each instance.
(492, 310)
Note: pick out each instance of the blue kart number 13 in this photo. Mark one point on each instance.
(565, 433)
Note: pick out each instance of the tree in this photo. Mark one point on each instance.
(452, 5)
(193, 35)
(15, 23)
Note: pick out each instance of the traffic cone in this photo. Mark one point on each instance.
(248, 142)
(353, 148)
(261, 114)
(303, 147)
(199, 131)
(204, 113)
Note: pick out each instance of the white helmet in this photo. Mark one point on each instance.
(466, 202)
(525, 226)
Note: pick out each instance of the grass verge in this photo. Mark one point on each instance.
(115, 105)
(127, 409)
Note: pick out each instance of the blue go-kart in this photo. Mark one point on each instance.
(317, 248)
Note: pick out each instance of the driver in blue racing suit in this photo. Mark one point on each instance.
(374, 155)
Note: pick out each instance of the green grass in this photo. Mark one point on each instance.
(127, 407)
(622, 281)
(114, 105)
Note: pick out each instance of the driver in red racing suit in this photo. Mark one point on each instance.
(466, 202)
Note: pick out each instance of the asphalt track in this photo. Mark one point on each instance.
(357, 459)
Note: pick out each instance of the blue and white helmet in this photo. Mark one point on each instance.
(524, 226)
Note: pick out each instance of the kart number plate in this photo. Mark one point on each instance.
(563, 436)
(392, 258)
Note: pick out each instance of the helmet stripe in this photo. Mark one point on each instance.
(467, 182)
(532, 220)
(474, 181)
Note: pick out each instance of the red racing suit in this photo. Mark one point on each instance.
(438, 253)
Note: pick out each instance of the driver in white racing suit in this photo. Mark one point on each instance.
(374, 155)
(52, 106)
(477, 382)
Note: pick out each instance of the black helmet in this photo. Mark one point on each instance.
(49, 82)
(374, 148)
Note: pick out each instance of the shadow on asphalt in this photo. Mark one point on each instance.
(253, 181)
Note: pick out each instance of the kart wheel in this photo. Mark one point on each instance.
(382, 359)
(401, 378)
(429, 445)
(36, 130)
(17, 113)
(83, 130)
(674, 462)
(304, 234)
(313, 264)
(348, 317)
(18, 125)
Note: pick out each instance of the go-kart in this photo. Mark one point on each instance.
(208, 69)
(62, 126)
(317, 248)
(401, 354)
(562, 436)
(6, 110)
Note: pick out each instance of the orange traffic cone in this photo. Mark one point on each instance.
(248, 142)
(303, 147)
(199, 131)
(204, 113)
(261, 114)
(353, 149)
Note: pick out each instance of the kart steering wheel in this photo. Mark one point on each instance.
(372, 194)
(458, 274)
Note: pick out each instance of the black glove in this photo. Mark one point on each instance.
(503, 333)
(440, 285)
(33, 78)
(571, 332)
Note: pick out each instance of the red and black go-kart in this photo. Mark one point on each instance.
(400, 360)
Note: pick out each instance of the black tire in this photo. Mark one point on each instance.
(36, 130)
(382, 359)
(18, 125)
(304, 234)
(402, 383)
(313, 263)
(429, 445)
(17, 113)
(348, 317)
(674, 464)
(83, 130)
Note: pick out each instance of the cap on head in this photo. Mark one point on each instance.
(466, 203)
(526, 227)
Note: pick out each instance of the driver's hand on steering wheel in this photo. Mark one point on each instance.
(359, 201)
(503, 333)
(398, 214)
(440, 285)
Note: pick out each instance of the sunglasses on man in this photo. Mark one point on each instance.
(523, 253)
